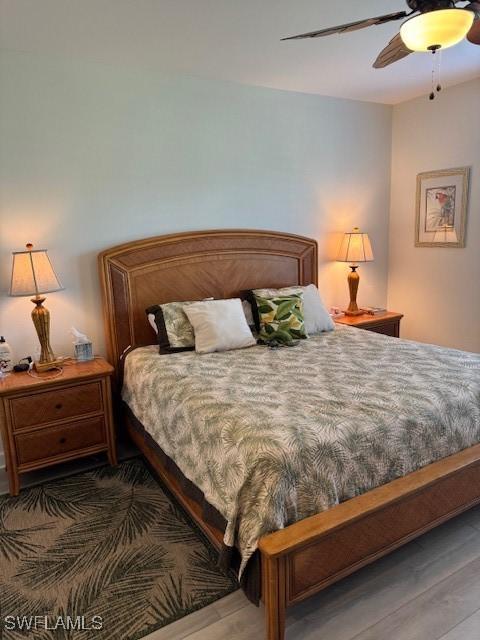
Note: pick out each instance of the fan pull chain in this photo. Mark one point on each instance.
(439, 69)
(432, 92)
(436, 69)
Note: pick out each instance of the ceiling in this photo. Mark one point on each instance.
(235, 40)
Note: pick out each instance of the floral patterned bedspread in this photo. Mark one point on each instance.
(274, 436)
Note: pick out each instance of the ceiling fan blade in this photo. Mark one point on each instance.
(473, 35)
(350, 26)
(395, 50)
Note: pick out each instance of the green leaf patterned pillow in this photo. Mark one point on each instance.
(281, 318)
(175, 333)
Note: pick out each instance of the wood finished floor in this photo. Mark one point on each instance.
(428, 590)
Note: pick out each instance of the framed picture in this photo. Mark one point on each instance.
(442, 203)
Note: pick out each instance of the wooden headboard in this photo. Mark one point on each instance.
(192, 266)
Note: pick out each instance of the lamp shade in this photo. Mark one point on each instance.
(32, 273)
(355, 248)
(442, 28)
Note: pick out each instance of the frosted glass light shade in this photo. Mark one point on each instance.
(32, 273)
(442, 28)
(355, 248)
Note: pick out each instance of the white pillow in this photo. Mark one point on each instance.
(219, 325)
(316, 316)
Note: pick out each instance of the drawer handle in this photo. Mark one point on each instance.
(59, 405)
(62, 440)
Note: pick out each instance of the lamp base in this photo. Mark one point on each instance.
(40, 367)
(353, 280)
(359, 312)
(41, 320)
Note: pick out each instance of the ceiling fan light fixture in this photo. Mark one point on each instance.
(442, 28)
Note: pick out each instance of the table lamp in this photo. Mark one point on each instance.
(355, 248)
(33, 274)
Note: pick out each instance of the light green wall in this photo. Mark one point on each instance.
(93, 155)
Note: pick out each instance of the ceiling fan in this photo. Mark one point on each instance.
(431, 25)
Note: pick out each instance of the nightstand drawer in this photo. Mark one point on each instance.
(53, 441)
(387, 323)
(388, 329)
(47, 406)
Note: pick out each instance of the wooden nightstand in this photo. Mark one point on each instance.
(387, 323)
(48, 420)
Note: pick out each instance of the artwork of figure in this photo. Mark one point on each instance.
(440, 208)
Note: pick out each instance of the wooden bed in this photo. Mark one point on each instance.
(309, 555)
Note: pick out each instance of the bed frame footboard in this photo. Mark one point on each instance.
(309, 555)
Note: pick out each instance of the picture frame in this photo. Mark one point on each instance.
(441, 208)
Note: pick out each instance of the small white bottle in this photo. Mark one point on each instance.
(6, 361)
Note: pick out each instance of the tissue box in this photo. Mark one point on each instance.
(83, 351)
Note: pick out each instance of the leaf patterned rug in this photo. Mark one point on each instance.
(105, 554)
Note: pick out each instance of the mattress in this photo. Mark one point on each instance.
(271, 436)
